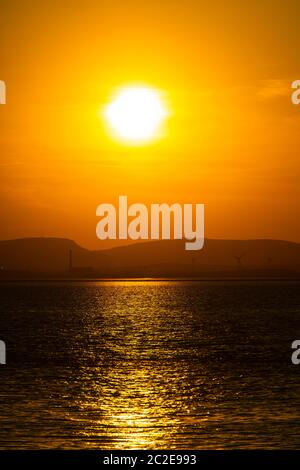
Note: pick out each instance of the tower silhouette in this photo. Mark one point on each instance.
(70, 260)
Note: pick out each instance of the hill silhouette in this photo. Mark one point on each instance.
(158, 258)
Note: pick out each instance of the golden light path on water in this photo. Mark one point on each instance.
(138, 416)
(145, 394)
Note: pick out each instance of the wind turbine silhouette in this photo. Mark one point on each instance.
(239, 259)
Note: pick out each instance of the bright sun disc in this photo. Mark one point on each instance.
(136, 114)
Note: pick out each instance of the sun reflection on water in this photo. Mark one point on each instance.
(148, 365)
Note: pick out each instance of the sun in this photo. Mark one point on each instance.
(136, 114)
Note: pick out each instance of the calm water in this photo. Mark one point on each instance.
(130, 365)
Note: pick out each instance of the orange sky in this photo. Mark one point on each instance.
(231, 142)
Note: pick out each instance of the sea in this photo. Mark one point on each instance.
(150, 364)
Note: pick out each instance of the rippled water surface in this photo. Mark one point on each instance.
(149, 365)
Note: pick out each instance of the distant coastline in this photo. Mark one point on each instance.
(59, 258)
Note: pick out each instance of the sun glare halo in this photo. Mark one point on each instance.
(135, 114)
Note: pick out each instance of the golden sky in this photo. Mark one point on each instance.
(225, 69)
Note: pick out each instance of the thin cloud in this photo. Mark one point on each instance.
(276, 88)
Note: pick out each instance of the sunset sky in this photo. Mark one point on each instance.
(231, 140)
